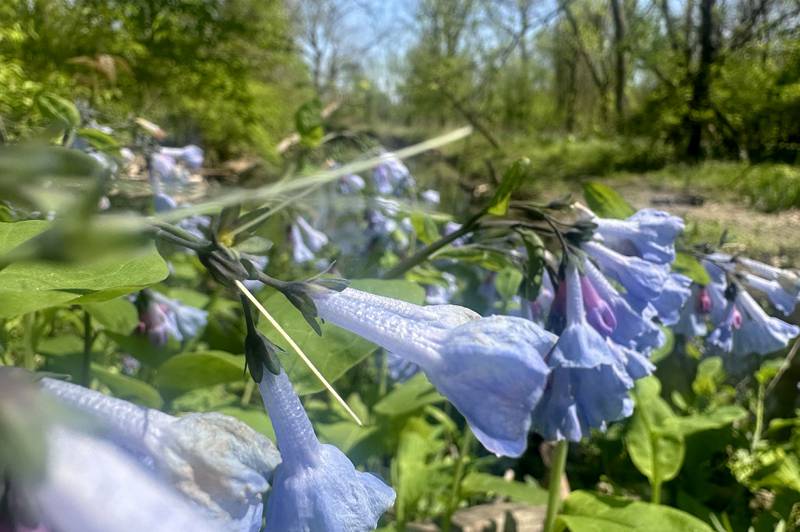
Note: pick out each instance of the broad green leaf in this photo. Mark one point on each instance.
(343, 434)
(117, 315)
(128, 388)
(655, 446)
(337, 350)
(407, 397)
(716, 419)
(485, 484)
(512, 180)
(141, 348)
(189, 371)
(691, 268)
(605, 201)
(33, 285)
(590, 512)
(507, 283)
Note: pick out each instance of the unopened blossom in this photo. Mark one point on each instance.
(643, 280)
(315, 487)
(490, 369)
(649, 234)
(214, 460)
(588, 385)
(721, 338)
(789, 280)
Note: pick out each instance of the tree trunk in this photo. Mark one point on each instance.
(701, 85)
(619, 59)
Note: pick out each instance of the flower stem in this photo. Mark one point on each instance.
(759, 417)
(554, 485)
(424, 253)
(86, 361)
(455, 492)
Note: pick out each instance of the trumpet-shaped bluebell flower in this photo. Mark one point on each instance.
(314, 239)
(316, 487)
(669, 303)
(215, 461)
(642, 280)
(157, 322)
(490, 369)
(589, 384)
(189, 321)
(351, 184)
(649, 234)
(789, 280)
(759, 332)
(91, 486)
(633, 328)
(721, 338)
(300, 252)
(431, 197)
(190, 155)
(692, 319)
(782, 299)
(391, 176)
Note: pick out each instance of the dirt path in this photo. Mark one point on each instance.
(773, 237)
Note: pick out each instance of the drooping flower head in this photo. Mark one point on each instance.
(314, 239)
(300, 251)
(759, 332)
(315, 487)
(643, 280)
(213, 460)
(190, 155)
(162, 318)
(391, 176)
(673, 297)
(588, 385)
(490, 369)
(782, 299)
(649, 234)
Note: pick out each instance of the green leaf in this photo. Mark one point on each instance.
(590, 512)
(492, 260)
(507, 283)
(691, 268)
(715, 419)
(534, 268)
(99, 140)
(407, 397)
(605, 201)
(512, 180)
(256, 418)
(308, 121)
(655, 446)
(476, 483)
(60, 109)
(128, 388)
(141, 348)
(37, 284)
(117, 315)
(337, 350)
(188, 371)
(425, 227)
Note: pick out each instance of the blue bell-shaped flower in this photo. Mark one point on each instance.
(315, 487)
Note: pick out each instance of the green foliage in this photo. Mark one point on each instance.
(587, 512)
(605, 201)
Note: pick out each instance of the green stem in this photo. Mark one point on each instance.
(655, 482)
(554, 485)
(455, 492)
(29, 349)
(759, 417)
(655, 497)
(422, 255)
(86, 362)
